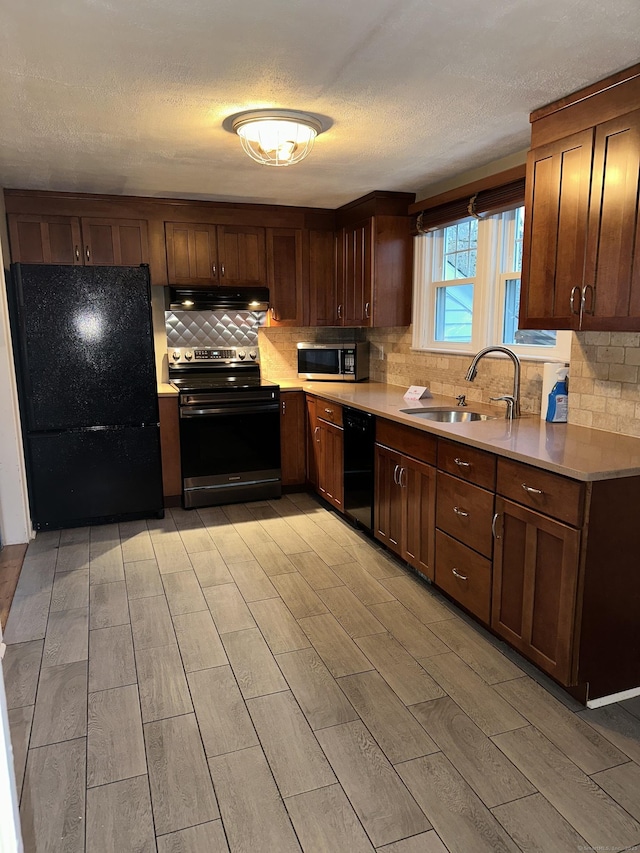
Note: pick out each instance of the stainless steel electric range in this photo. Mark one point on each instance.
(229, 426)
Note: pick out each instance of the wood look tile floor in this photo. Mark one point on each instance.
(262, 677)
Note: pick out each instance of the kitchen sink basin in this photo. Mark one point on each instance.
(449, 416)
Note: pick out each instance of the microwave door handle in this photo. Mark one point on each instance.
(340, 362)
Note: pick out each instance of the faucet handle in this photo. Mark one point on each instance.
(510, 400)
(462, 400)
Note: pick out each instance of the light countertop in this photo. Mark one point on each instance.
(575, 451)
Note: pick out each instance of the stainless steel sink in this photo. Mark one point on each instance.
(449, 416)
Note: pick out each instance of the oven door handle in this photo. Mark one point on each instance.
(228, 410)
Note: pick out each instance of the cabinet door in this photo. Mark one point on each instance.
(292, 437)
(612, 271)
(241, 251)
(313, 442)
(419, 485)
(115, 242)
(535, 575)
(170, 446)
(557, 206)
(357, 274)
(284, 276)
(330, 476)
(45, 239)
(323, 295)
(191, 254)
(388, 499)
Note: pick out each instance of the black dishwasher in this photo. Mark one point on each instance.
(359, 438)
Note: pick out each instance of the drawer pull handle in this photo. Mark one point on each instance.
(461, 463)
(458, 575)
(77, 254)
(315, 434)
(401, 482)
(328, 411)
(493, 526)
(572, 306)
(461, 512)
(531, 490)
(395, 475)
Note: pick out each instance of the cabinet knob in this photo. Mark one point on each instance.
(315, 434)
(328, 411)
(462, 577)
(284, 408)
(395, 474)
(401, 481)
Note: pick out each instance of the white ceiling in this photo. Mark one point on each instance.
(129, 96)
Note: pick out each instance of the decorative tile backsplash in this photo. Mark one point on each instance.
(604, 392)
(213, 328)
(603, 381)
(445, 374)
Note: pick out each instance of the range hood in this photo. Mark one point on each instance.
(217, 298)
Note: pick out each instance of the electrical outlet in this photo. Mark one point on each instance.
(380, 352)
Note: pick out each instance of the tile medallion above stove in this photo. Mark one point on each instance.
(193, 329)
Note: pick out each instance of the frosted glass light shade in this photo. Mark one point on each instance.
(277, 138)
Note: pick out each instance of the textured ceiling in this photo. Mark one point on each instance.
(129, 96)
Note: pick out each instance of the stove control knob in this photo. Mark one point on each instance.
(175, 355)
(241, 354)
(253, 354)
(188, 355)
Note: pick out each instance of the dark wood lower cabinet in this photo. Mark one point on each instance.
(292, 437)
(170, 448)
(535, 581)
(404, 507)
(330, 468)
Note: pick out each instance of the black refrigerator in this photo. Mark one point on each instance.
(83, 345)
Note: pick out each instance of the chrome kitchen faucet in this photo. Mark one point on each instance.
(512, 400)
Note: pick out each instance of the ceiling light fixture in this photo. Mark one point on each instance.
(276, 137)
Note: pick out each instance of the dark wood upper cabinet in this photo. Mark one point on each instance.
(205, 255)
(115, 242)
(612, 269)
(285, 277)
(192, 255)
(374, 261)
(322, 293)
(557, 208)
(580, 268)
(355, 274)
(241, 253)
(76, 240)
(39, 239)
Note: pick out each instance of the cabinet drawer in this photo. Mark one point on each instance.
(476, 466)
(465, 511)
(543, 491)
(329, 412)
(464, 575)
(412, 442)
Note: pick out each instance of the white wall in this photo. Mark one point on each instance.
(15, 522)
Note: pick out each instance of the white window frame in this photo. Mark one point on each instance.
(488, 298)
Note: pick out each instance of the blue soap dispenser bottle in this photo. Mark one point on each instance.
(558, 406)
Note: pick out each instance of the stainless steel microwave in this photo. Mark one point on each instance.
(338, 362)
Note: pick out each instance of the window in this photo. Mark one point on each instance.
(467, 290)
